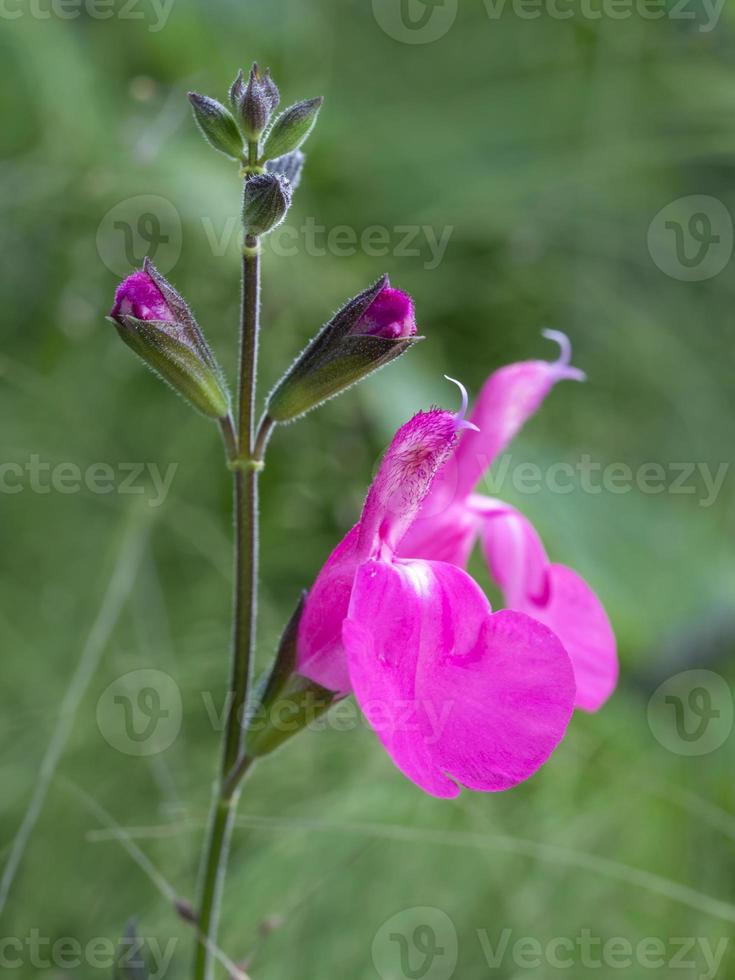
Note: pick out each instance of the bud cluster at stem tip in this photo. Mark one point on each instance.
(241, 132)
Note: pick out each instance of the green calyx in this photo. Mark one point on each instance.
(197, 379)
(342, 365)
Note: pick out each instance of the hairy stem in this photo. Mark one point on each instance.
(245, 486)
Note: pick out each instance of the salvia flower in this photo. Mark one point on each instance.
(457, 694)
(453, 517)
(154, 321)
(370, 331)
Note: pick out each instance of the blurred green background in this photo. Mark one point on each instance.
(545, 148)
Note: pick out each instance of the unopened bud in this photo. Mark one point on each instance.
(369, 332)
(266, 200)
(254, 102)
(217, 124)
(155, 322)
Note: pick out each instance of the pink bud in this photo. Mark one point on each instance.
(155, 322)
(390, 315)
(139, 296)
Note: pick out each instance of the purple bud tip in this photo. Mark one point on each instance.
(139, 296)
(390, 315)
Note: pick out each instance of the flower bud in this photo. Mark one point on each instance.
(266, 200)
(286, 702)
(290, 166)
(255, 102)
(155, 322)
(217, 125)
(368, 332)
(291, 128)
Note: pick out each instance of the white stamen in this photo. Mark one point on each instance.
(564, 363)
(460, 417)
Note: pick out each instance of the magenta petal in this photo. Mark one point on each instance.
(320, 653)
(558, 597)
(509, 397)
(456, 694)
(139, 296)
(390, 315)
(449, 536)
(578, 618)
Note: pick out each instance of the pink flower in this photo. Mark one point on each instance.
(456, 694)
(453, 517)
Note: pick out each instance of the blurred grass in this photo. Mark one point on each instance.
(547, 147)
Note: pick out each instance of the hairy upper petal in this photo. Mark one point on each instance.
(418, 450)
(456, 694)
(557, 596)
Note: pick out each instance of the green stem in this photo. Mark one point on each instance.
(229, 437)
(245, 485)
(265, 431)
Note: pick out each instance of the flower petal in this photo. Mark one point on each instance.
(456, 694)
(508, 399)
(449, 536)
(556, 596)
(320, 653)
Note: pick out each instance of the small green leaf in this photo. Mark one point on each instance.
(291, 128)
(217, 124)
